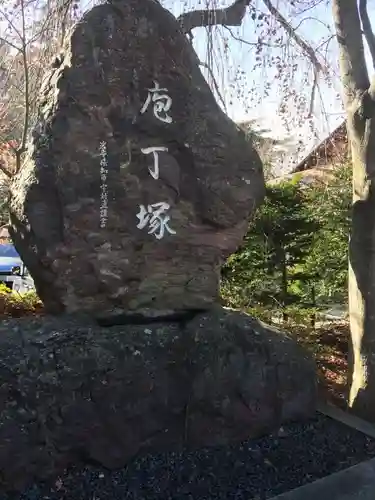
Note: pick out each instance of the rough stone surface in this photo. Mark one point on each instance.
(83, 257)
(73, 392)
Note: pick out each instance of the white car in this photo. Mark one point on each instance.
(13, 272)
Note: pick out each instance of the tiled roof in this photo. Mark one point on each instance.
(335, 145)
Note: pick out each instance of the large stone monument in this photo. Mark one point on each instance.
(137, 186)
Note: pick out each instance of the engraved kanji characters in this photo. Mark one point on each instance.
(161, 103)
(154, 150)
(156, 218)
(103, 177)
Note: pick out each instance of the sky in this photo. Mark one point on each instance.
(251, 89)
(248, 93)
(315, 26)
(241, 56)
(236, 77)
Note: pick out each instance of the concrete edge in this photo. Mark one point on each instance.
(346, 418)
(353, 483)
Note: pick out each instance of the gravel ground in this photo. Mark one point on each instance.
(254, 469)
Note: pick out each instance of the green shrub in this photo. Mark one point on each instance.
(14, 304)
(293, 260)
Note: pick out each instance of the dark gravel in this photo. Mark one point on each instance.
(255, 469)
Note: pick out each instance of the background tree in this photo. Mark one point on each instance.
(352, 23)
(270, 266)
(330, 205)
(31, 33)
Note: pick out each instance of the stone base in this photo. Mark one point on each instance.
(75, 392)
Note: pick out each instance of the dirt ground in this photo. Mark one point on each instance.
(329, 344)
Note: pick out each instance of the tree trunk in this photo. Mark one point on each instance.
(313, 301)
(284, 284)
(359, 101)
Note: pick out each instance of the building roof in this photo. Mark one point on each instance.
(310, 176)
(335, 145)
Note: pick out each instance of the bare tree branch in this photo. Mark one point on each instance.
(309, 6)
(32, 40)
(230, 16)
(306, 48)
(367, 30)
(233, 16)
(310, 19)
(313, 92)
(207, 66)
(22, 147)
(10, 22)
(253, 44)
(4, 40)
